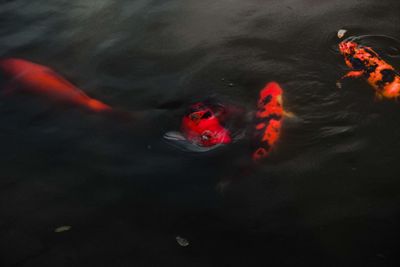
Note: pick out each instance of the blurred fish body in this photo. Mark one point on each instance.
(22, 76)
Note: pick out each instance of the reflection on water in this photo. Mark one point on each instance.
(327, 196)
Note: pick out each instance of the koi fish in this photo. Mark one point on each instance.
(365, 62)
(202, 127)
(28, 77)
(268, 120)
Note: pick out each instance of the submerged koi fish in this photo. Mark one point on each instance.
(268, 119)
(28, 77)
(202, 127)
(365, 62)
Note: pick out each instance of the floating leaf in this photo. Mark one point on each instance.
(63, 228)
(341, 33)
(182, 241)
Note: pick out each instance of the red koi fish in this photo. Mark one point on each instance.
(28, 77)
(201, 126)
(365, 62)
(268, 119)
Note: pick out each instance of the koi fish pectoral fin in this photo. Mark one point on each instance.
(378, 96)
(353, 74)
(289, 114)
(259, 154)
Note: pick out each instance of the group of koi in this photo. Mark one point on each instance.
(201, 125)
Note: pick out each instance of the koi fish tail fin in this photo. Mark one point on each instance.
(260, 154)
(265, 137)
(97, 106)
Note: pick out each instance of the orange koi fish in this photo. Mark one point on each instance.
(365, 62)
(28, 77)
(268, 119)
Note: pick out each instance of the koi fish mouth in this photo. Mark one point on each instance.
(210, 138)
(202, 127)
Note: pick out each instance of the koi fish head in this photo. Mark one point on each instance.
(348, 48)
(201, 127)
(270, 95)
(273, 89)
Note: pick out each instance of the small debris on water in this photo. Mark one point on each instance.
(222, 186)
(182, 241)
(222, 79)
(231, 84)
(341, 33)
(63, 228)
(380, 255)
(339, 85)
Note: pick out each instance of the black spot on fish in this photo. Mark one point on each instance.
(266, 100)
(259, 120)
(370, 69)
(268, 118)
(357, 64)
(387, 75)
(207, 115)
(274, 116)
(265, 145)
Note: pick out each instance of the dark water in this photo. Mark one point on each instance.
(329, 196)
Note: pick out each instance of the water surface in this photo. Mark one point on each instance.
(327, 197)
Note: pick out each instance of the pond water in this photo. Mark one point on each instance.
(79, 189)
